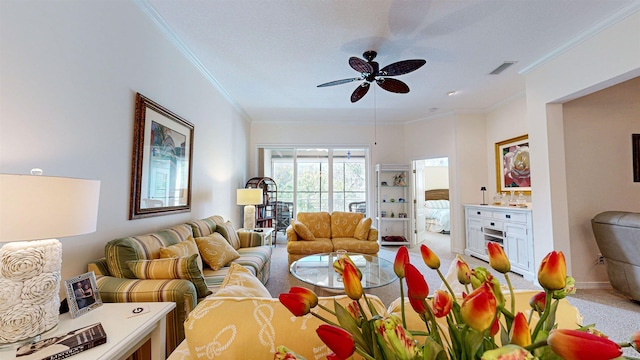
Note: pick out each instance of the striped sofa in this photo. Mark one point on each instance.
(116, 282)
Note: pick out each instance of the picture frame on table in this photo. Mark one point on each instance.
(161, 162)
(82, 294)
(513, 171)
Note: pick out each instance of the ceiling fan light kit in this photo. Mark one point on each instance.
(370, 72)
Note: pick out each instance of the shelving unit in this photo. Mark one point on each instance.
(510, 227)
(267, 212)
(393, 204)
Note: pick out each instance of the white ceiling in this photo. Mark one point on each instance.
(268, 56)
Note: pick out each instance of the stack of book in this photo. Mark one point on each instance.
(65, 345)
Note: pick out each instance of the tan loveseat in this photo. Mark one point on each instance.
(252, 327)
(117, 281)
(323, 232)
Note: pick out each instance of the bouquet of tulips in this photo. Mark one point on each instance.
(472, 323)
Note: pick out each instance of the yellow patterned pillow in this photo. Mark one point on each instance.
(231, 328)
(303, 231)
(216, 251)
(343, 224)
(182, 249)
(241, 282)
(171, 268)
(362, 229)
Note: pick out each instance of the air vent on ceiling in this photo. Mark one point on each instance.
(502, 67)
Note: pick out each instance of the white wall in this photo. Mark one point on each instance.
(70, 72)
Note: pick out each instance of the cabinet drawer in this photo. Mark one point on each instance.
(519, 217)
(492, 224)
(515, 230)
(479, 213)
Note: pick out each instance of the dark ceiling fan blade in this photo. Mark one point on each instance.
(359, 92)
(339, 82)
(402, 67)
(393, 85)
(360, 65)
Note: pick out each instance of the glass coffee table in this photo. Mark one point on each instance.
(318, 271)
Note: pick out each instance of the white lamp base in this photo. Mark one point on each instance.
(249, 217)
(30, 283)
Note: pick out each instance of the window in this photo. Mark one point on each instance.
(318, 179)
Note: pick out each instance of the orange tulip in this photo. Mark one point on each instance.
(351, 281)
(464, 272)
(296, 303)
(430, 258)
(417, 286)
(520, 334)
(538, 301)
(337, 339)
(307, 294)
(552, 274)
(497, 258)
(635, 341)
(578, 345)
(479, 308)
(442, 303)
(402, 258)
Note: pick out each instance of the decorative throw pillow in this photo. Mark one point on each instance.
(171, 268)
(229, 232)
(362, 229)
(240, 282)
(182, 249)
(302, 230)
(216, 251)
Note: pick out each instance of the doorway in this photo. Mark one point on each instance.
(432, 216)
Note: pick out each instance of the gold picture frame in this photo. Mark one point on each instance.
(513, 172)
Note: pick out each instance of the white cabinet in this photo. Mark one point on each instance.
(393, 219)
(508, 226)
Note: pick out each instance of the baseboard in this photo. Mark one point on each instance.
(593, 285)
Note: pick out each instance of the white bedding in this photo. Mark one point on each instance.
(437, 215)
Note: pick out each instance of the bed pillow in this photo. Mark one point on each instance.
(216, 251)
(302, 230)
(362, 229)
(182, 249)
(240, 282)
(171, 268)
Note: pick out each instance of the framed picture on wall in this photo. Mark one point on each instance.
(162, 161)
(635, 145)
(513, 171)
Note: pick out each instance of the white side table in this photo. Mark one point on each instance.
(125, 334)
(265, 233)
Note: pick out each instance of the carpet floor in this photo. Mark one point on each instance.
(614, 314)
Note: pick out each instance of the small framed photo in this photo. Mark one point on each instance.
(82, 294)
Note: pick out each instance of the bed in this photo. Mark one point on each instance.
(437, 214)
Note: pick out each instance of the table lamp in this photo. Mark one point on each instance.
(249, 198)
(38, 208)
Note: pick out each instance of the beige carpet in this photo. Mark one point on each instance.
(614, 314)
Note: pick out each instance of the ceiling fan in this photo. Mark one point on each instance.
(370, 71)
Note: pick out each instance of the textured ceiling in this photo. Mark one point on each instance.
(268, 56)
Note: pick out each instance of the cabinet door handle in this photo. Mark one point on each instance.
(508, 216)
(477, 212)
(493, 224)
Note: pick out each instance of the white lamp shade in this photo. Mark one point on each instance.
(249, 196)
(44, 207)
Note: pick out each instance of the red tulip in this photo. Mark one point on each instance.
(307, 294)
(497, 258)
(351, 281)
(635, 341)
(418, 305)
(442, 303)
(402, 258)
(337, 339)
(495, 327)
(552, 274)
(430, 258)
(464, 272)
(479, 308)
(416, 285)
(296, 303)
(520, 334)
(538, 301)
(579, 345)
